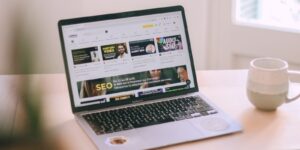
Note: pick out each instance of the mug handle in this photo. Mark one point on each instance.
(295, 77)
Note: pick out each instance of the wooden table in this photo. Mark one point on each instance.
(226, 88)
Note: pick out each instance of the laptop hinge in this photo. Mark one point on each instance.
(129, 105)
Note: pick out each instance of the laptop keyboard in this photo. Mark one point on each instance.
(148, 114)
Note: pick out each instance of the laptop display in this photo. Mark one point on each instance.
(126, 59)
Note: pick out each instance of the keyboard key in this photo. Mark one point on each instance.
(196, 114)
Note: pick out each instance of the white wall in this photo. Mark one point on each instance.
(6, 11)
(38, 27)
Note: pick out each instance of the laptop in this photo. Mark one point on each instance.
(132, 80)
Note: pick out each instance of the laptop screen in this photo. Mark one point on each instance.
(126, 58)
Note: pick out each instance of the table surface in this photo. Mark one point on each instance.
(226, 88)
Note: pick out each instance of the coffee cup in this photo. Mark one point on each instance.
(268, 83)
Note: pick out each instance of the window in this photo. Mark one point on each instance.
(272, 14)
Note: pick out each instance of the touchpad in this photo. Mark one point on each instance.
(211, 123)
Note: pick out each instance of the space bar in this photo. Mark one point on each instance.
(139, 125)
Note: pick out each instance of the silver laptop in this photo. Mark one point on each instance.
(132, 80)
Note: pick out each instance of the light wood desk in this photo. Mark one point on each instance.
(261, 130)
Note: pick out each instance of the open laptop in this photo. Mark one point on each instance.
(132, 80)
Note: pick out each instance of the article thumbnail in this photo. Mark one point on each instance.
(142, 47)
(90, 88)
(170, 43)
(114, 51)
(85, 55)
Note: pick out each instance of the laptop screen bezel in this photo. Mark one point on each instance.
(73, 21)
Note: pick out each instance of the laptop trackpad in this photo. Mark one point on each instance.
(169, 133)
(210, 124)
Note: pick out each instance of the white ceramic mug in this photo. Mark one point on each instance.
(268, 83)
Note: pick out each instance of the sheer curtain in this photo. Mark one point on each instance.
(272, 14)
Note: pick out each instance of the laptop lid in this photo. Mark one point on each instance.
(127, 57)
